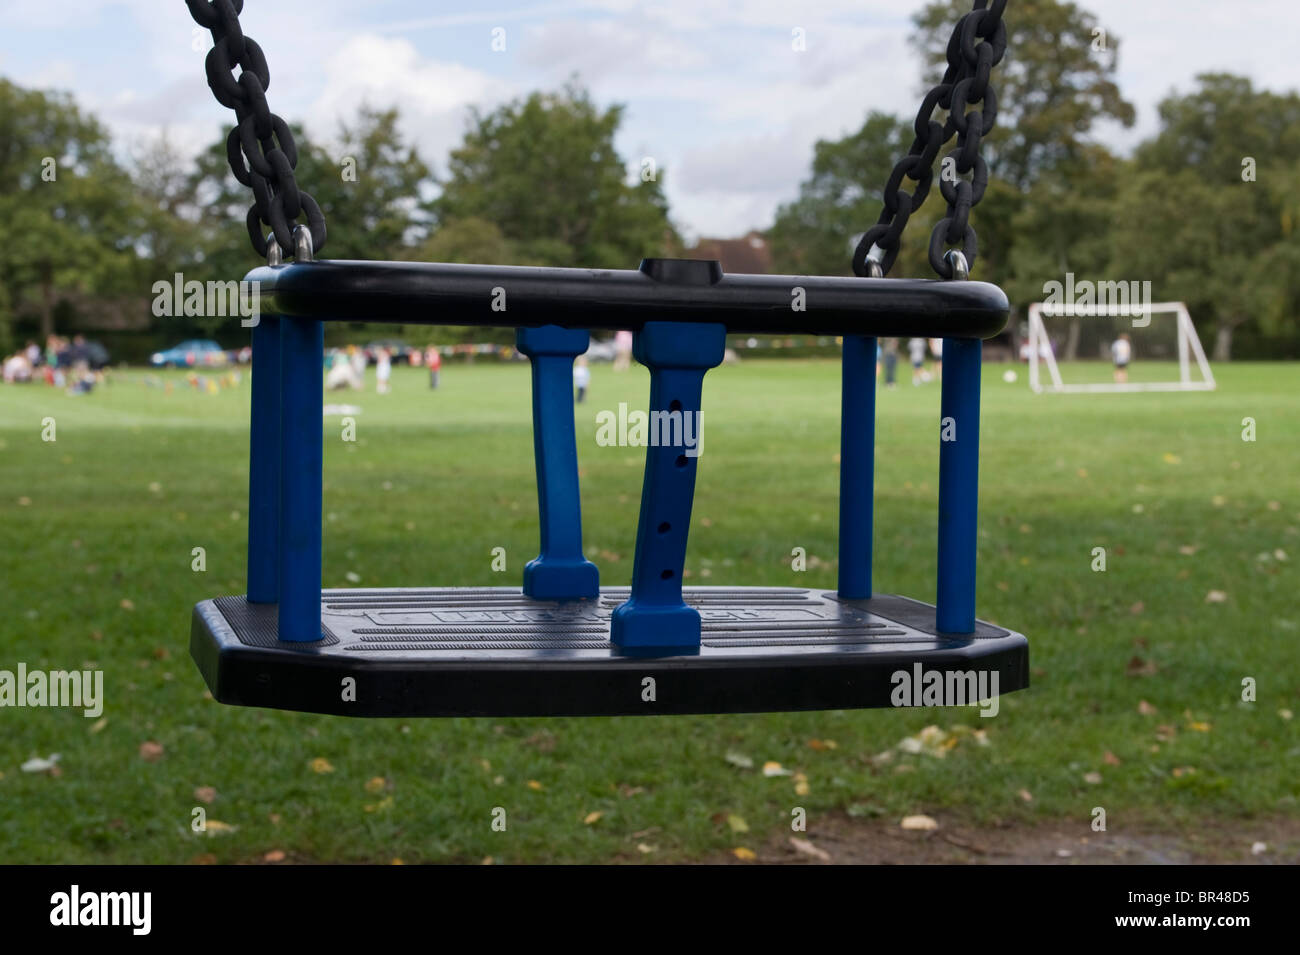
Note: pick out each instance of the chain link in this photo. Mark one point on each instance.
(977, 44)
(260, 147)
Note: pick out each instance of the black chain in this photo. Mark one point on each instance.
(260, 148)
(977, 44)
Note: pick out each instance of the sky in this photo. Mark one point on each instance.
(713, 90)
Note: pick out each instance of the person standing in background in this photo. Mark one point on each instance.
(916, 352)
(433, 361)
(936, 349)
(889, 358)
(383, 370)
(1121, 351)
(581, 377)
(622, 350)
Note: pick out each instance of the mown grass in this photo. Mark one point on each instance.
(137, 478)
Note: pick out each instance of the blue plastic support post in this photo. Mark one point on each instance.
(302, 359)
(959, 437)
(264, 466)
(560, 572)
(678, 355)
(857, 464)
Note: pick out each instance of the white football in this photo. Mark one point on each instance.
(1009, 376)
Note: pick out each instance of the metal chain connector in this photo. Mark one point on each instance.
(260, 147)
(977, 44)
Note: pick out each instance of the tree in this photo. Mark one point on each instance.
(1216, 185)
(815, 234)
(369, 184)
(65, 204)
(1053, 86)
(545, 172)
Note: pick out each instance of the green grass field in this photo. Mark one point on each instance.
(1137, 671)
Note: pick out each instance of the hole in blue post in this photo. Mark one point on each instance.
(665, 527)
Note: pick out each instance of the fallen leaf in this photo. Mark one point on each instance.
(1258, 848)
(1216, 597)
(1137, 608)
(918, 823)
(804, 847)
(1187, 550)
(1146, 709)
(737, 823)
(126, 604)
(1110, 759)
(1093, 778)
(773, 768)
(1180, 771)
(1139, 667)
(1171, 458)
(592, 818)
(151, 751)
(99, 724)
(1165, 733)
(801, 787)
(535, 786)
(1026, 795)
(38, 765)
(321, 765)
(740, 760)
(205, 794)
(1199, 727)
(745, 855)
(821, 745)
(275, 855)
(215, 827)
(644, 849)
(376, 784)
(382, 806)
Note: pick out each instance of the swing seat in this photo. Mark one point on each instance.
(494, 652)
(562, 645)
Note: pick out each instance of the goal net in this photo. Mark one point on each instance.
(1164, 351)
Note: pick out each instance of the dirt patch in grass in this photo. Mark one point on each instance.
(845, 840)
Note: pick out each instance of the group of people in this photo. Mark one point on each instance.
(346, 367)
(63, 363)
(917, 348)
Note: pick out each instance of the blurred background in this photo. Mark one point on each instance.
(1156, 141)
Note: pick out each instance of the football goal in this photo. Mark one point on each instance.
(1160, 340)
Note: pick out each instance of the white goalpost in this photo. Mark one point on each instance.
(1042, 352)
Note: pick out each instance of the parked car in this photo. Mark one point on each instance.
(196, 351)
(398, 351)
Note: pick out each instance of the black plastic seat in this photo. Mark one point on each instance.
(494, 652)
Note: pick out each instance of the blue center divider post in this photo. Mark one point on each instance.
(677, 355)
(264, 465)
(560, 572)
(959, 437)
(857, 464)
(302, 359)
